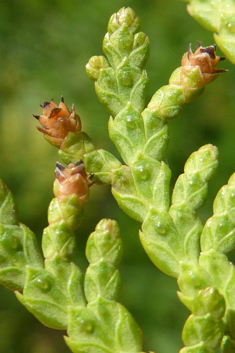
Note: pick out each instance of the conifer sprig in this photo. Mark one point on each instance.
(171, 231)
(55, 291)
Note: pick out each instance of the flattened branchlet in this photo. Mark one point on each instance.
(171, 232)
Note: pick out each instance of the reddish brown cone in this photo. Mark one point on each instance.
(58, 121)
(206, 59)
(70, 181)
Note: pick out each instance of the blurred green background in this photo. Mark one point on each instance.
(45, 45)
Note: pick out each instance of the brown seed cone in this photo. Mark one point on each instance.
(58, 121)
(206, 59)
(70, 181)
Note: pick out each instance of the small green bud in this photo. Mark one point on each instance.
(95, 64)
(125, 16)
(119, 44)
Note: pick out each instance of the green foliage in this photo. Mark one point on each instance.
(219, 229)
(18, 248)
(54, 290)
(104, 325)
(54, 293)
(204, 328)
